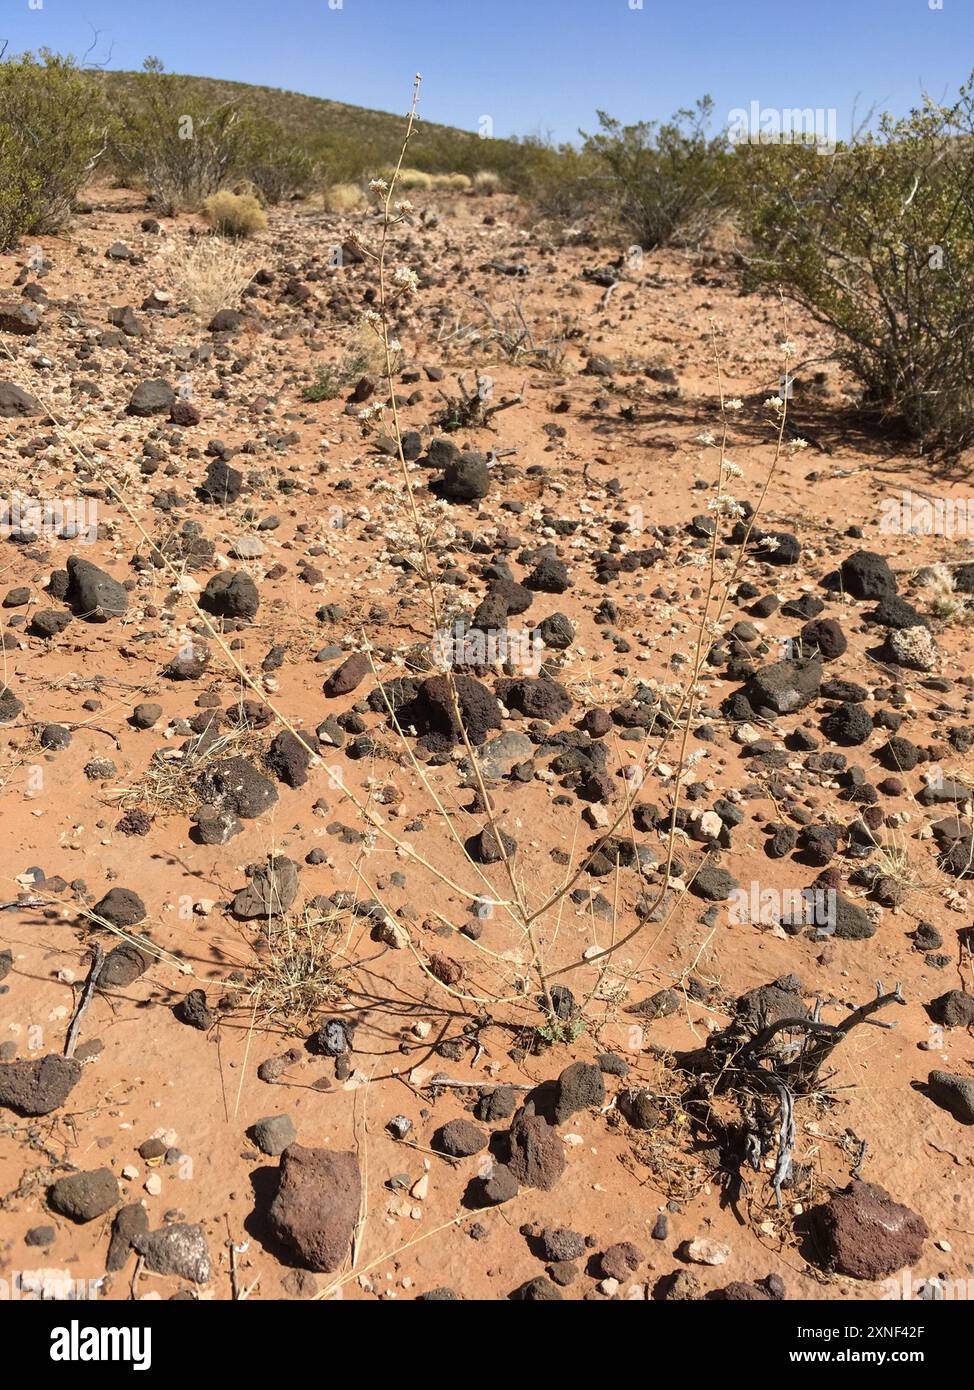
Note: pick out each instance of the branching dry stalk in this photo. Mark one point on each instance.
(527, 919)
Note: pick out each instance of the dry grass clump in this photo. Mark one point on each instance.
(415, 179)
(451, 183)
(208, 273)
(167, 785)
(234, 215)
(344, 197)
(486, 182)
(298, 968)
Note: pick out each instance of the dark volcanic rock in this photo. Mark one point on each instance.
(273, 1134)
(432, 714)
(179, 1250)
(866, 575)
(10, 706)
(640, 1108)
(954, 1093)
(714, 884)
(153, 397)
(500, 1187)
(537, 1154)
(535, 697)
(127, 1223)
(39, 1086)
(272, 889)
(121, 907)
(232, 594)
(317, 1205)
(899, 755)
(580, 1087)
(460, 1139)
(894, 612)
(659, 1005)
(559, 1244)
(848, 725)
(539, 1290)
(621, 1261)
(466, 478)
(349, 676)
(289, 758)
(236, 786)
(123, 966)
(484, 848)
(955, 1009)
(194, 1011)
(785, 686)
(17, 404)
(852, 923)
(92, 593)
(19, 317)
(84, 1196)
(549, 576)
(221, 485)
(556, 632)
(825, 636)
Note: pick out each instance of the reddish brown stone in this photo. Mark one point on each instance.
(317, 1205)
(863, 1233)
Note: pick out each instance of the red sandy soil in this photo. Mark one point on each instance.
(148, 1074)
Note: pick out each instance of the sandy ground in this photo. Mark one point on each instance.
(595, 450)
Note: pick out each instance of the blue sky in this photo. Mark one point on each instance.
(534, 66)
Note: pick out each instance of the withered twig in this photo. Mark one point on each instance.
(98, 958)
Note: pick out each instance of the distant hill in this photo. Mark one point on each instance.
(352, 139)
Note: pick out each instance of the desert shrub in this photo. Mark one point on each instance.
(486, 182)
(276, 166)
(325, 387)
(234, 214)
(877, 241)
(555, 182)
(558, 182)
(662, 183)
(345, 197)
(52, 134)
(180, 146)
(363, 356)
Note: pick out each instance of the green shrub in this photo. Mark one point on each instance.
(274, 163)
(52, 134)
(179, 145)
(557, 182)
(877, 241)
(234, 214)
(325, 387)
(661, 183)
